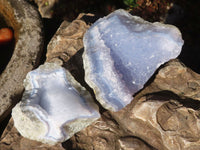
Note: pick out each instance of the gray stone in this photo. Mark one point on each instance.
(27, 26)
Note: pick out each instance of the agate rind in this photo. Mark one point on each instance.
(47, 87)
(122, 52)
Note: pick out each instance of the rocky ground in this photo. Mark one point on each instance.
(164, 115)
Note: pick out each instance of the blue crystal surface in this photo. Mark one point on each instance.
(122, 52)
(56, 101)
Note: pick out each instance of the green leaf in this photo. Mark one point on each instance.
(131, 3)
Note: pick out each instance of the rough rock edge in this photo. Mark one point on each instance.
(67, 40)
(25, 56)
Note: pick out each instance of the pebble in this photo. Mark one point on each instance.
(6, 35)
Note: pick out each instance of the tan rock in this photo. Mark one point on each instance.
(67, 40)
(107, 134)
(154, 122)
(177, 78)
(66, 46)
(130, 143)
(163, 122)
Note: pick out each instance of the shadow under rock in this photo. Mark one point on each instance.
(50, 28)
(68, 145)
(4, 124)
(168, 96)
(70, 9)
(90, 19)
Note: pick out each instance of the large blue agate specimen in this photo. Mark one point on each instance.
(122, 52)
(54, 106)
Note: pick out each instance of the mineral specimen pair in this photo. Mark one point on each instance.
(121, 53)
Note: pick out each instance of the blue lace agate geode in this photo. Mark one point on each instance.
(122, 52)
(54, 106)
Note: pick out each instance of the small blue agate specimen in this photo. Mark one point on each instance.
(54, 106)
(122, 52)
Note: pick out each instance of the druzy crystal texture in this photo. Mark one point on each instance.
(122, 52)
(54, 106)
